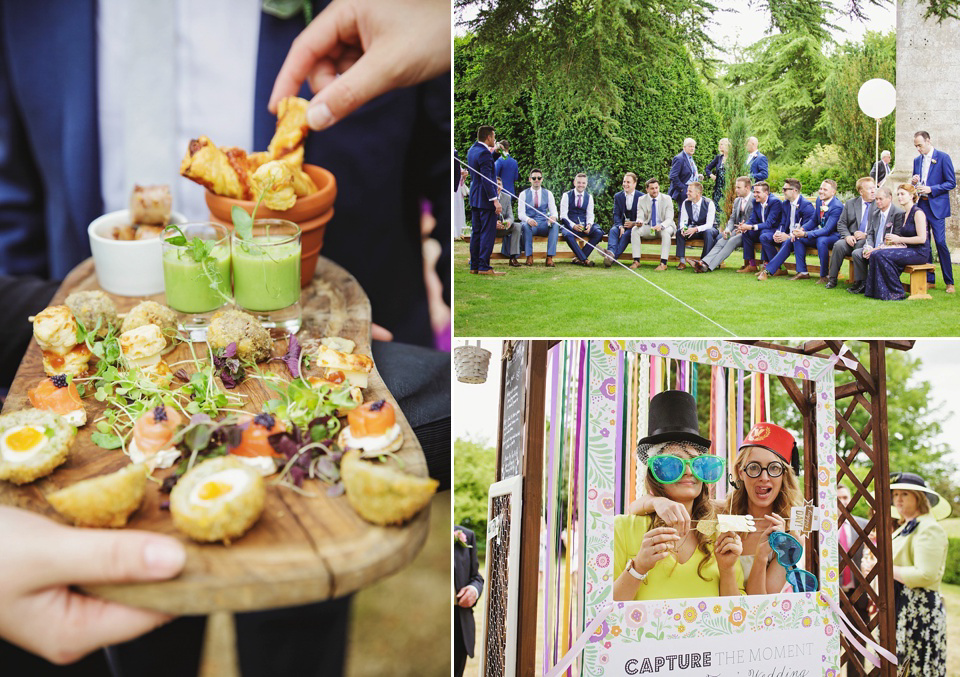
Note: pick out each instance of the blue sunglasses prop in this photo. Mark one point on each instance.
(789, 551)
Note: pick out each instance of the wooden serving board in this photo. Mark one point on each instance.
(303, 549)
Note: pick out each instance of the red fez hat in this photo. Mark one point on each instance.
(773, 438)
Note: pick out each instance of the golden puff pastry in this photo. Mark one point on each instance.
(353, 367)
(104, 501)
(210, 166)
(291, 129)
(302, 183)
(381, 494)
(55, 330)
(277, 179)
(142, 346)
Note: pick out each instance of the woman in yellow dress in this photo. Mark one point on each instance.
(654, 560)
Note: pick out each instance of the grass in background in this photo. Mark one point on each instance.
(574, 301)
(401, 626)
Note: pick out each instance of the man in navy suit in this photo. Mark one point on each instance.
(576, 211)
(468, 584)
(824, 234)
(934, 178)
(765, 217)
(484, 205)
(796, 213)
(757, 165)
(683, 171)
(506, 168)
(624, 218)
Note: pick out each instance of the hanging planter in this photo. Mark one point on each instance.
(472, 363)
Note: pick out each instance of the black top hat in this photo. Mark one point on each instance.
(673, 418)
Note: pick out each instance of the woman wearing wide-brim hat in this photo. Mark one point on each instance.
(653, 560)
(919, 559)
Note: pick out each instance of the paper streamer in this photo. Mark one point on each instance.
(581, 642)
(849, 629)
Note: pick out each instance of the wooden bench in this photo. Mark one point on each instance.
(695, 245)
(917, 286)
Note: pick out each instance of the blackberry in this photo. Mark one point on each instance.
(159, 413)
(60, 380)
(378, 405)
(266, 420)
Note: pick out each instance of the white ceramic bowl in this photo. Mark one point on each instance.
(126, 267)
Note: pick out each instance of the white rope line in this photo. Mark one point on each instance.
(616, 261)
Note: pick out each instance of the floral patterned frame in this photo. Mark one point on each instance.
(692, 619)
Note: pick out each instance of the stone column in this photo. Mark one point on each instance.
(928, 95)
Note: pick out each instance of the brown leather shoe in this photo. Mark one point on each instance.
(681, 266)
(513, 262)
(529, 261)
(473, 272)
(634, 265)
(588, 263)
(550, 263)
(750, 268)
(950, 289)
(780, 272)
(607, 260)
(763, 276)
(662, 266)
(801, 276)
(491, 272)
(822, 280)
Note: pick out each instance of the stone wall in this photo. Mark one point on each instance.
(928, 94)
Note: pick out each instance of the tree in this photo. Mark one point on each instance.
(474, 470)
(851, 130)
(733, 112)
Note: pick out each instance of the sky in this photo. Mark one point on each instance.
(737, 23)
(476, 407)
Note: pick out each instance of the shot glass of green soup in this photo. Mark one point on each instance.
(266, 274)
(196, 274)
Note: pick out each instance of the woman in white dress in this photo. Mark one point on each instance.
(459, 212)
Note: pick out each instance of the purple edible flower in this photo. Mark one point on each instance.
(292, 358)
(228, 366)
(182, 375)
(230, 350)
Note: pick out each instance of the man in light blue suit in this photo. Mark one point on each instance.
(765, 217)
(683, 172)
(824, 234)
(757, 165)
(934, 178)
(797, 213)
(484, 205)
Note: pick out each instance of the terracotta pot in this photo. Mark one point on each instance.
(311, 213)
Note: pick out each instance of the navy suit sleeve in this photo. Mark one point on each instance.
(763, 169)
(830, 221)
(675, 169)
(486, 168)
(619, 205)
(949, 177)
(475, 577)
(774, 213)
(807, 215)
(713, 165)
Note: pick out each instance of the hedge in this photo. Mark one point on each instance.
(658, 113)
(952, 572)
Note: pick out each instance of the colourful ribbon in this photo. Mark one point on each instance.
(844, 623)
(581, 642)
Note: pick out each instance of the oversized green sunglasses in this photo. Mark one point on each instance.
(668, 469)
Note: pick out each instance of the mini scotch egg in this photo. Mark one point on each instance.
(217, 500)
(33, 443)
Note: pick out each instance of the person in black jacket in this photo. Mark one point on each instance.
(468, 583)
(717, 171)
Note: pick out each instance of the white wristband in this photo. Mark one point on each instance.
(633, 572)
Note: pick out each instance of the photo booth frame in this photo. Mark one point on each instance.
(731, 635)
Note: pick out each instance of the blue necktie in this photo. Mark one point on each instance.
(653, 214)
(878, 238)
(863, 219)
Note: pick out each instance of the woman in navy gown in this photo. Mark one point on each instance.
(886, 264)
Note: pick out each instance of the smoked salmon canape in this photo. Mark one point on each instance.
(371, 428)
(59, 395)
(254, 448)
(153, 434)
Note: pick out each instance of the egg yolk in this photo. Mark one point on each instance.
(212, 490)
(24, 440)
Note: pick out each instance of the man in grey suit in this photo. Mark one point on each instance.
(885, 218)
(511, 238)
(730, 237)
(654, 221)
(881, 170)
(852, 227)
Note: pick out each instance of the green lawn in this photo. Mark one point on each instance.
(574, 301)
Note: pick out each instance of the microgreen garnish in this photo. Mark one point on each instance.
(228, 366)
(243, 221)
(301, 403)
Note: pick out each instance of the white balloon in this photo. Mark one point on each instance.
(877, 98)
